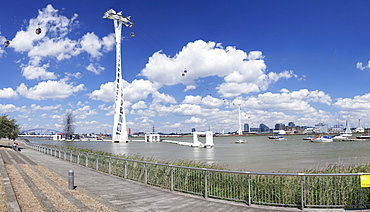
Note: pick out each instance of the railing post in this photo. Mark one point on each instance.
(65, 154)
(206, 174)
(172, 178)
(126, 167)
(302, 190)
(87, 159)
(70, 156)
(110, 166)
(249, 189)
(78, 158)
(146, 173)
(97, 163)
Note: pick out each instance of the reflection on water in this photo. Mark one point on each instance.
(258, 154)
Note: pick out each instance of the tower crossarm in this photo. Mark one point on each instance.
(112, 14)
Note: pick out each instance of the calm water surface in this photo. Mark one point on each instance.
(258, 154)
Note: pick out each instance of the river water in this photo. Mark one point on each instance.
(258, 154)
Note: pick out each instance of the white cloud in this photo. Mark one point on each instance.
(194, 120)
(163, 98)
(293, 102)
(35, 107)
(95, 68)
(357, 106)
(54, 43)
(91, 44)
(360, 66)
(36, 71)
(192, 100)
(211, 102)
(138, 89)
(83, 112)
(49, 90)
(8, 93)
(105, 93)
(242, 73)
(8, 108)
(139, 105)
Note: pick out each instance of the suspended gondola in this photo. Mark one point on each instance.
(6, 43)
(38, 30)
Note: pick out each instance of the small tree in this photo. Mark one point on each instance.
(69, 127)
(8, 127)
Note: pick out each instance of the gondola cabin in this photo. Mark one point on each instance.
(7, 43)
(38, 31)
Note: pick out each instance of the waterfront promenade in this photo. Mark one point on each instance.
(32, 181)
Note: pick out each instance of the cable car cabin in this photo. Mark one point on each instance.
(7, 43)
(132, 34)
(38, 31)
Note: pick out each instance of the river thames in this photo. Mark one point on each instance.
(258, 154)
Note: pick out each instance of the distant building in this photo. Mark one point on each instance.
(254, 129)
(291, 124)
(279, 126)
(321, 128)
(264, 128)
(246, 127)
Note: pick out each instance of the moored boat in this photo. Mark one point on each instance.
(308, 138)
(323, 139)
(240, 141)
(280, 138)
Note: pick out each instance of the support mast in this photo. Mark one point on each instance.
(119, 124)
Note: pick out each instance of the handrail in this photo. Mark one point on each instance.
(279, 189)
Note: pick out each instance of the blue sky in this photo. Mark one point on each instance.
(282, 61)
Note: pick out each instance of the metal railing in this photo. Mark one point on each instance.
(302, 190)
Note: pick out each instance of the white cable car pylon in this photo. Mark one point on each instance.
(119, 124)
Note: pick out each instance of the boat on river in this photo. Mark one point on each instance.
(280, 138)
(241, 141)
(308, 138)
(323, 139)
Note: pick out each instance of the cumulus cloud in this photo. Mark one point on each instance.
(54, 43)
(293, 102)
(137, 90)
(242, 72)
(105, 93)
(49, 90)
(33, 70)
(95, 68)
(7, 108)
(83, 112)
(358, 104)
(8, 93)
(360, 66)
(35, 107)
(192, 100)
(194, 120)
(139, 105)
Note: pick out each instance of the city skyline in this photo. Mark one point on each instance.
(189, 65)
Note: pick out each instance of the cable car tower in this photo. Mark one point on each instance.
(119, 125)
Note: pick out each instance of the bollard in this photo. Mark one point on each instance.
(71, 180)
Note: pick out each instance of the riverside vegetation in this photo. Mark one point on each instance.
(315, 188)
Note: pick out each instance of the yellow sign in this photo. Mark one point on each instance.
(365, 181)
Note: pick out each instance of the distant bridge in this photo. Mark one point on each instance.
(39, 133)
